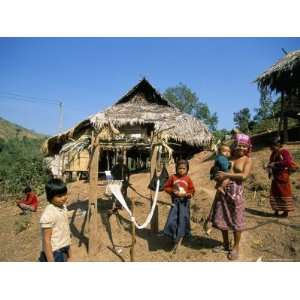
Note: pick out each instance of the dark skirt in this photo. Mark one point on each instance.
(178, 222)
(281, 198)
(229, 209)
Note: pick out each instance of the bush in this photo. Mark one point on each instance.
(21, 164)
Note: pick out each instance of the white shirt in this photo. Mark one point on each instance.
(56, 218)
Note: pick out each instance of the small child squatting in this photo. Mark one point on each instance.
(29, 203)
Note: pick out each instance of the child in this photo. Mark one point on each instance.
(181, 189)
(29, 203)
(222, 164)
(56, 236)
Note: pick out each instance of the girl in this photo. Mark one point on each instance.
(181, 189)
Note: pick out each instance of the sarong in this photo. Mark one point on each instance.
(228, 211)
(178, 222)
(281, 198)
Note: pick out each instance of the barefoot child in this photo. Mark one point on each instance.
(54, 222)
(181, 189)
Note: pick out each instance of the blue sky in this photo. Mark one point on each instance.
(90, 74)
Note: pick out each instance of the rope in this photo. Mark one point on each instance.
(115, 188)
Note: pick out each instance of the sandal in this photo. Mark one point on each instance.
(233, 255)
(221, 249)
(284, 215)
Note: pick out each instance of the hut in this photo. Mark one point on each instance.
(141, 126)
(284, 78)
(133, 120)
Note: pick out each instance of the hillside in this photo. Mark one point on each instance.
(10, 130)
(266, 237)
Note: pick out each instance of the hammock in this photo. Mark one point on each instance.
(115, 188)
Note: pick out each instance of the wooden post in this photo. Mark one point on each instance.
(281, 114)
(94, 224)
(133, 240)
(107, 160)
(285, 129)
(154, 221)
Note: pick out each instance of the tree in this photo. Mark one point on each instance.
(21, 164)
(242, 119)
(221, 134)
(187, 101)
(266, 109)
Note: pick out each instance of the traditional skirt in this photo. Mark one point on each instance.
(228, 209)
(281, 198)
(178, 222)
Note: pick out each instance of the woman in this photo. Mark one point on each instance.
(228, 208)
(281, 198)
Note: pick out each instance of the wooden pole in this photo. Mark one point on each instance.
(94, 224)
(285, 129)
(133, 239)
(107, 160)
(281, 114)
(154, 221)
(285, 121)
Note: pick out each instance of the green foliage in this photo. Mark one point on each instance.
(21, 164)
(242, 119)
(9, 130)
(221, 134)
(266, 109)
(186, 100)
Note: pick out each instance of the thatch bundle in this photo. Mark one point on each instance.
(284, 76)
(143, 105)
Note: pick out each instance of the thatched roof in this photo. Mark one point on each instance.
(142, 105)
(283, 76)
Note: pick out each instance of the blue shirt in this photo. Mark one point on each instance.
(222, 163)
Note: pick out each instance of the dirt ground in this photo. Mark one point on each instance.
(266, 238)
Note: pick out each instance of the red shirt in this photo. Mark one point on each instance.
(185, 182)
(282, 158)
(31, 199)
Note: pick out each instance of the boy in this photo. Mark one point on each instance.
(222, 164)
(56, 236)
(29, 203)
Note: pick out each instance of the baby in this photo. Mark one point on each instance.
(222, 164)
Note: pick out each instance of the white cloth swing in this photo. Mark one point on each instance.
(115, 189)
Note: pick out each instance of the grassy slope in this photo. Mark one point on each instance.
(10, 130)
